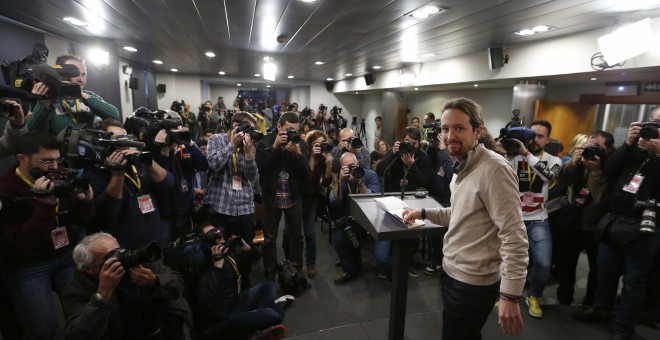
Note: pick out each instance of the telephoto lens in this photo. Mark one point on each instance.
(356, 171)
(293, 135)
(325, 147)
(355, 142)
(406, 148)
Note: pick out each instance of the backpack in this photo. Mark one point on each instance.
(291, 278)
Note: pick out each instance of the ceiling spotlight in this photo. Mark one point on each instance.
(476, 85)
(268, 58)
(416, 89)
(210, 54)
(541, 28)
(431, 9)
(290, 77)
(525, 32)
(267, 85)
(98, 56)
(158, 62)
(348, 74)
(257, 75)
(222, 73)
(174, 70)
(74, 21)
(594, 78)
(130, 48)
(239, 84)
(308, 0)
(329, 79)
(377, 67)
(319, 62)
(356, 92)
(427, 55)
(426, 12)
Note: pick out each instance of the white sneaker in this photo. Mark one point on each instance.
(285, 301)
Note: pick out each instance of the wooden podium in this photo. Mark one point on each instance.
(386, 228)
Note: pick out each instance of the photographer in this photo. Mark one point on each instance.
(429, 119)
(38, 233)
(349, 143)
(14, 127)
(52, 115)
(188, 119)
(205, 117)
(283, 166)
(181, 157)
(536, 170)
(111, 299)
(232, 170)
(337, 120)
(587, 197)
(347, 233)
(125, 195)
(629, 242)
(221, 308)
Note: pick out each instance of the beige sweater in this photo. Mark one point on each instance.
(486, 239)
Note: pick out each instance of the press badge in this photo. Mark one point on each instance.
(582, 196)
(634, 184)
(145, 204)
(284, 174)
(528, 198)
(60, 237)
(184, 185)
(236, 183)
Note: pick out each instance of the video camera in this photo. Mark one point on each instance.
(66, 182)
(146, 124)
(90, 149)
(322, 108)
(521, 133)
(306, 112)
(649, 129)
(133, 258)
(23, 73)
(432, 134)
(177, 106)
(591, 151)
(248, 129)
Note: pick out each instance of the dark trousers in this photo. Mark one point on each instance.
(635, 267)
(271, 222)
(243, 227)
(256, 309)
(569, 244)
(466, 308)
(349, 256)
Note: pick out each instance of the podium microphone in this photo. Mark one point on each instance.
(382, 180)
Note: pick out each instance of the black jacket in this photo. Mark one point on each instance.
(419, 173)
(271, 161)
(125, 316)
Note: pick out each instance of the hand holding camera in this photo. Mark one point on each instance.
(141, 276)
(237, 138)
(650, 145)
(109, 277)
(633, 133)
(408, 159)
(14, 112)
(281, 139)
(45, 184)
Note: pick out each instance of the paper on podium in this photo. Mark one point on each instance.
(395, 206)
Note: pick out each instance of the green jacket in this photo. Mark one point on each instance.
(10, 138)
(53, 119)
(578, 177)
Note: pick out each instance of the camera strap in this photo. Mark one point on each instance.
(69, 112)
(636, 181)
(233, 264)
(531, 177)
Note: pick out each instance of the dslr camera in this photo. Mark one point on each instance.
(325, 147)
(293, 135)
(354, 142)
(66, 182)
(356, 171)
(306, 112)
(248, 129)
(406, 148)
(145, 124)
(344, 224)
(649, 129)
(521, 133)
(591, 151)
(647, 225)
(132, 258)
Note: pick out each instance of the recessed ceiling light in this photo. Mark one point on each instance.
(476, 85)
(356, 92)
(348, 74)
(267, 85)
(319, 62)
(290, 77)
(329, 79)
(428, 55)
(431, 9)
(130, 48)
(222, 73)
(158, 62)
(594, 78)
(210, 54)
(416, 89)
(268, 58)
(525, 32)
(74, 21)
(308, 0)
(257, 75)
(426, 12)
(174, 70)
(541, 28)
(239, 84)
(377, 67)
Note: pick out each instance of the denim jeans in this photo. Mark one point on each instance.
(309, 209)
(635, 268)
(540, 255)
(466, 308)
(349, 256)
(31, 287)
(271, 222)
(256, 309)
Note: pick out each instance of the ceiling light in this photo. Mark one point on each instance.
(98, 56)
(239, 84)
(541, 28)
(257, 75)
(420, 15)
(329, 79)
(222, 73)
(319, 62)
(626, 42)
(290, 77)
(157, 62)
(267, 85)
(476, 85)
(74, 21)
(594, 78)
(210, 54)
(348, 74)
(268, 58)
(130, 48)
(416, 89)
(525, 32)
(356, 92)
(174, 70)
(426, 12)
(308, 0)
(427, 55)
(377, 67)
(270, 70)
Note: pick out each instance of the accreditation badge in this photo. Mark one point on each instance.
(582, 196)
(634, 184)
(145, 203)
(60, 237)
(528, 198)
(236, 183)
(184, 185)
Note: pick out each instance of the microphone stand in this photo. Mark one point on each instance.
(382, 180)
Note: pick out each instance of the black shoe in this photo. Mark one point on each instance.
(343, 278)
(590, 315)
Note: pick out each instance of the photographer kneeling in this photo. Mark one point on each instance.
(345, 237)
(221, 308)
(123, 294)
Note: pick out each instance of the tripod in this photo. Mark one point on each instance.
(362, 133)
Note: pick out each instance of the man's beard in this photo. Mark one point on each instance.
(535, 150)
(36, 173)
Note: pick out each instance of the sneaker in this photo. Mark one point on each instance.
(412, 272)
(311, 271)
(432, 269)
(534, 307)
(284, 301)
(273, 333)
(381, 275)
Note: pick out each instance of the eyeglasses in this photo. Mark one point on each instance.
(49, 161)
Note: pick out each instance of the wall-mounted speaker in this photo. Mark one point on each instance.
(495, 58)
(161, 88)
(369, 79)
(329, 85)
(133, 83)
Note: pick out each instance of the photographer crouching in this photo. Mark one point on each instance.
(347, 233)
(629, 241)
(123, 294)
(220, 307)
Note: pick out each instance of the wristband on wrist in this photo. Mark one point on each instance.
(423, 214)
(99, 297)
(510, 298)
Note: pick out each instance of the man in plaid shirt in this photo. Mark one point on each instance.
(232, 169)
